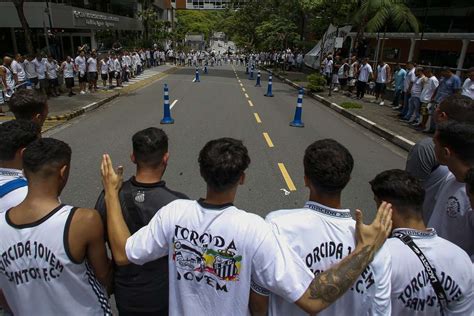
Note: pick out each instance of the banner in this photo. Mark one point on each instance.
(312, 58)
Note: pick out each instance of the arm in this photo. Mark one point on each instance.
(389, 74)
(3, 302)
(258, 304)
(117, 229)
(328, 286)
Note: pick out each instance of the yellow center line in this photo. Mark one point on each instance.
(250, 103)
(286, 176)
(247, 96)
(241, 85)
(257, 118)
(268, 139)
(243, 89)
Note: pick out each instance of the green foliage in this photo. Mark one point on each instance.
(202, 22)
(351, 105)
(317, 83)
(276, 33)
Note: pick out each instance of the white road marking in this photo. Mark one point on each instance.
(173, 104)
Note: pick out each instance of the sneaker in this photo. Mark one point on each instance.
(382, 103)
(335, 89)
(83, 92)
(396, 107)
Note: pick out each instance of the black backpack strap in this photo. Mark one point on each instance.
(435, 283)
(132, 209)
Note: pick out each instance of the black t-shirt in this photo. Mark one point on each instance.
(141, 288)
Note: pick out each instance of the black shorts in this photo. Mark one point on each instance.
(34, 81)
(82, 78)
(92, 76)
(380, 87)
(69, 82)
(111, 75)
(343, 81)
(103, 76)
(53, 83)
(43, 83)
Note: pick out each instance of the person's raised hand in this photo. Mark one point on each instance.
(111, 179)
(375, 234)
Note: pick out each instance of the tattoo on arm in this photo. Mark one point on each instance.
(333, 283)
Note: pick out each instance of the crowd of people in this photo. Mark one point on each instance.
(42, 73)
(172, 255)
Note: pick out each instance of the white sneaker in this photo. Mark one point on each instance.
(335, 89)
(382, 103)
(83, 92)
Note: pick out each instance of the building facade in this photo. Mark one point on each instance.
(203, 4)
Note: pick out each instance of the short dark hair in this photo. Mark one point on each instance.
(458, 108)
(15, 135)
(45, 155)
(470, 180)
(458, 137)
(26, 103)
(328, 165)
(222, 162)
(399, 188)
(149, 146)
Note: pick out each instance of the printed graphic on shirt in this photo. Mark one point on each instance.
(205, 258)
(22, 251)
(414, 299)
(453, 207)
(331, 252)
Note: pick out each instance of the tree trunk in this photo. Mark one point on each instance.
(24, 23)
(383, 43)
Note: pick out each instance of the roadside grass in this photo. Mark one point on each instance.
(351, 105)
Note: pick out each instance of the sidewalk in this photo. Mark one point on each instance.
(64, 108)
(380, 119)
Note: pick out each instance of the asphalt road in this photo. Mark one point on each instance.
(218, 107)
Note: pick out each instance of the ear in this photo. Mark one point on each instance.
(306, 182)
(242, 179)
(132, 158)
(22, 150)
(447, 152)
(165, 159)
(64, 171)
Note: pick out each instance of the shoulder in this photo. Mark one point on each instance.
(281, 216)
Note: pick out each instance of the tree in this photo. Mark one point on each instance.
(24, 24)
(375, 15)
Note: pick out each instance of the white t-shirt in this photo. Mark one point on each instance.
(412, 292)
(382, 73)
(409, 78)
(51, 69)
(214, 252)
(468, 88)
(40, 67)
(80, 64)
(111, 64)
(30, 69)
(92, 64)
(68, 69)
(15, 197)
(328, 67)
(428, 89)
(364, 72)
(104, 67)
(453, 217)
(17, 69)
(418, 86)
(322, 237)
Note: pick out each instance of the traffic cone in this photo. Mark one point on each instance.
(247, 69)
(167, 119)
(297, 122)
(196, 79)
(251, 73)
(205, 69)
(258, 79)
(270, 84)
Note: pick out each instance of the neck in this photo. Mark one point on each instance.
(329, 200)
(11, 164)
(220, 198)
(459, 170)
(149, 175)
(413, 223)
(42, 192)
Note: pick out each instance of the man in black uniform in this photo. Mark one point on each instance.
(143, 290)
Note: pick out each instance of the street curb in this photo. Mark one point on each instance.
(94, 105)
(389, 135)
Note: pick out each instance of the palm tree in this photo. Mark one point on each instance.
(375, 15)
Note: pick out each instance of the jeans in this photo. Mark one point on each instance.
(397, 96)
(406, 98)
(413, 108)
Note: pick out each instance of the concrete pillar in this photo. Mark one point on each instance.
(73, 49)
(351, 47)
(93, 40)
(462, 56)
(411, 53)
(15, 45)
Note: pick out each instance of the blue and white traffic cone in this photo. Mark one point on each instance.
(251, 72)
(247, 69)
(167, 119)
(270, 84)
(297, 122)
(205, 69)
(258, 79)
(196, 79)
